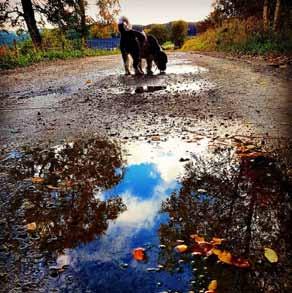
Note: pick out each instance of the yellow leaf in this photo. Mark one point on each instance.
(198, 239)
(37, 180)
(31, 226)
(217, 241)
(181, 248)
(213, 285)
(271, 255)
(223, 256)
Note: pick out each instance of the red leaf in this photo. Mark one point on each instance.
(139, 254)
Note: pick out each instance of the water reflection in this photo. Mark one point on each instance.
(243, 198)
(72, 214)
(50, 207)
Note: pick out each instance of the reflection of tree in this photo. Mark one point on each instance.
(63, 202)
(64, 206)
(244, 201)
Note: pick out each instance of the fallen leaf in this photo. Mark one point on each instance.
(271, 255)
(223, 256)
(181, 248)
(88, 81)
(217, 241)
(31, 226)
(37, 180)
(139, 254)
(198, 239)
(212, 287)
(240, 262)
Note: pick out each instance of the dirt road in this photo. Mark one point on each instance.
(183, 154)
(199, 95)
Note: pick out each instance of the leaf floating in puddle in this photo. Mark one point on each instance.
(240, 262)
(223, 256)
(139, 254)
(212, 287)
(198, 239)
(181, 248)
(271, 255)
(31, 226)
(37, 180)
(216, 241)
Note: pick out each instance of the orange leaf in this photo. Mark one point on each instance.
(181, 248)
(223, 256)
(217, 241)
(212, 287)
(31, 227)
(198, 239)
(240, 262)
(139, 254)
(37, 180)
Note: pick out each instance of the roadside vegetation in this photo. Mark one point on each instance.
(54, 46)
(254, 27)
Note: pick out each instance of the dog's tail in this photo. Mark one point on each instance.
(124, 24)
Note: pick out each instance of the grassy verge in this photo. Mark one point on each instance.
(9, 59)
(242, 37)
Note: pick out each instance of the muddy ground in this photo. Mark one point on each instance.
(204, 96)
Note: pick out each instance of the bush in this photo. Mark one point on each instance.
(179, 31)
(160, 32)
(241, 36)
(10, 59)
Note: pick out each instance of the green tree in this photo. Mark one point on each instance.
(179, 30)
(159, 31)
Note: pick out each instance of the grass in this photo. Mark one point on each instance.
(9, 59)
(243, 37)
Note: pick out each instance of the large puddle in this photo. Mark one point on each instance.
(196, 213)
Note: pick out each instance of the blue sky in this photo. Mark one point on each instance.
(161, 11)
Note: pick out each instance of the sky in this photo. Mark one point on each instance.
(160, 11)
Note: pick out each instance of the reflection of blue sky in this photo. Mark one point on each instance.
(150, 177)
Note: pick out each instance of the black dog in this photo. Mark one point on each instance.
(139, 45)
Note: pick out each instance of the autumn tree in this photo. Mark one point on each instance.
(273, 13)
(179, 30)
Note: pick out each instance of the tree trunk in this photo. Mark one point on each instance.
(277, 16)
(30, 21)
(266, 15)
(83, 21)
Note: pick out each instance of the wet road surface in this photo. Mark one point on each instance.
(193, 168)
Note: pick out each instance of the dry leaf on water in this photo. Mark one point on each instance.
(31, 226)
(212, 287)
(139, 254)
(181, 248)
(223, 256)
(271, 255)
(37, 180)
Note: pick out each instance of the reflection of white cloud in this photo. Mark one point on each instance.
(143, 213)
(165, 155)
(140, 214)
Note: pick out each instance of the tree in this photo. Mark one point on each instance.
(14, 13)
(160, 32)
(179, 30)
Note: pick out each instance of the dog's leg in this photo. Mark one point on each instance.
(126, 63)
(137, 65)
(149, 66)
